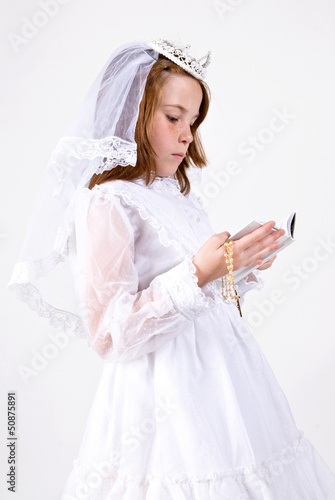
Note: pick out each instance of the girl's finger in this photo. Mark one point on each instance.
(267, 264)
(265, 245)
(256, 235)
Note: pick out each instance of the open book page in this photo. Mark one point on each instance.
(288, 224)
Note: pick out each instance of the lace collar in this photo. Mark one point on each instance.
(167, 183)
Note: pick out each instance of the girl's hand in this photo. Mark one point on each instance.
(210, 262)
(267, 264)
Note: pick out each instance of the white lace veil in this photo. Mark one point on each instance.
(100, 137)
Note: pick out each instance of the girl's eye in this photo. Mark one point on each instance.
(172, 118)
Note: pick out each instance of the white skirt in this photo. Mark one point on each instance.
(201, 418)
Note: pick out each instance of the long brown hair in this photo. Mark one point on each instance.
(146, 165)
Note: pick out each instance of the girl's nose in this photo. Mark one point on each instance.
(186, 135)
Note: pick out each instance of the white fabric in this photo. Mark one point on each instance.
(187, 407)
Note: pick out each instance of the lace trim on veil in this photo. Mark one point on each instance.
(100, 155)
(123, 152)
(58, 318)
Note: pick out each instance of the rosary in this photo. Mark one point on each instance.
(227, 282)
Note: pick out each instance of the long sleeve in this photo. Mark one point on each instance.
(123, 322)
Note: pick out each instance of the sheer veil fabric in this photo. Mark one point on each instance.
(100, 137)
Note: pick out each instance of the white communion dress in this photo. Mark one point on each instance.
(187, 407)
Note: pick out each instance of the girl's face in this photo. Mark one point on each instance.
(170, 133)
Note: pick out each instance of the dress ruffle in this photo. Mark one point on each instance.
(297, 472)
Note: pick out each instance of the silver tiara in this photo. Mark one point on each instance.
(179, 54)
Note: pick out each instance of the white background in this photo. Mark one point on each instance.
(266, 57)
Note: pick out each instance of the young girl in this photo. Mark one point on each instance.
(187, 407)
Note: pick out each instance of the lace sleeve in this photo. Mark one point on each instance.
(123, 322)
